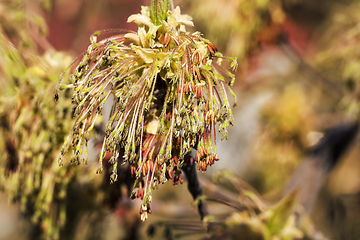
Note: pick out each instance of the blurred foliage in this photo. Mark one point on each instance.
(338, 59)
(31, 132)
(286, 121)
(33, 126)
(240, 25)
(247, 216)
(323, 92)
(257, 221)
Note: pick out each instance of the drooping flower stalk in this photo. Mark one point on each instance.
(169, 89)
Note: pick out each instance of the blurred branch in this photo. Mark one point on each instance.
(309, 72)
(223, 194)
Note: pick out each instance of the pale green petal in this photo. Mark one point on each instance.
(147, 55)
(133, 37)
(140, 20)
(145, 11)
(162, 58)
(142, 36)
(171, 20)
(152, 126)
(152, 31)
(166, 26)
(202, 49)
(182, 19)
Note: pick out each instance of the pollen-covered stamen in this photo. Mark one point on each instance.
(175, 40)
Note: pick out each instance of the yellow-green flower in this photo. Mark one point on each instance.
(169, 89)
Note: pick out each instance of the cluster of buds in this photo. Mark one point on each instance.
(205, 159)
(169, 89)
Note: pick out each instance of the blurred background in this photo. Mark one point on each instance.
(298, 75)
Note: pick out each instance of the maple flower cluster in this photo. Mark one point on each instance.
(170, 91)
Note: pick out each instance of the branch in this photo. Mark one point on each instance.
(195, 188)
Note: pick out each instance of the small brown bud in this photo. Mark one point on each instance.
(197, 157)
(186, 88)
(143, 170)
(208, 160)
(169, 173)
(151, 166)
(212, 49)
(204, 167)
(166, 39)
(197, 70)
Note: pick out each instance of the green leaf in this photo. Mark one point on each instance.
(281, 212)
(158, 11)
